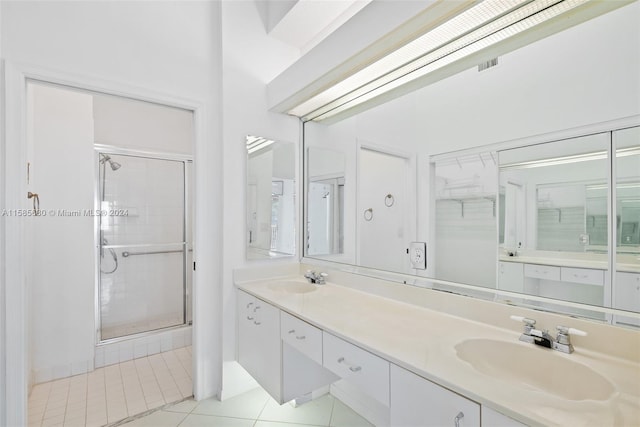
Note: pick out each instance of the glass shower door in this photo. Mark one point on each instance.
(142, 232)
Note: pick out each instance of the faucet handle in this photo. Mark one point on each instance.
(563, 340)
(525, 320)
(565, 330)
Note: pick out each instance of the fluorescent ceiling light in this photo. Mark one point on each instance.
(630, 151)
(477, 28)
(255, 143)
(599, 155)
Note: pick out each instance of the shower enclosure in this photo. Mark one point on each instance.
(144, 242)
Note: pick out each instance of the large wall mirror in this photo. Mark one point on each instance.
(533, 200)
(271, 198)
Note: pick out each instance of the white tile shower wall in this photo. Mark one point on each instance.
(109, 354)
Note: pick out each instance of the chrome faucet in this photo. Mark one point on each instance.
(314, 277)
(562, 342)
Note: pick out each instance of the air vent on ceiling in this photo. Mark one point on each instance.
(488, 64)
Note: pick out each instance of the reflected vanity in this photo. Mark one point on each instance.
(271, 198)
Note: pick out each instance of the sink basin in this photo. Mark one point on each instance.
(292, 287)
(536, 368)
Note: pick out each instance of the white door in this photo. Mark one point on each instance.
(61, 261)
(385, 210)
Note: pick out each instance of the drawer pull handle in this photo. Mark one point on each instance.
(351, 367)
(457, 419)
(249, 305)
(249, 318)
(255, 322)
(293, 331)
(300, 337)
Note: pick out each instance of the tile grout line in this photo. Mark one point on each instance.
(156, 376)
(171, 372)
(138, 376)
(124, 393)
(146, 413)
(333, 406)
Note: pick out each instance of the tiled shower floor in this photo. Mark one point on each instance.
(114, 392)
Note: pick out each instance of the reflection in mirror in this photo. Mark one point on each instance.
(325, 201)
(271, 198)
(555, 220)
(627, 278)
(465, 197)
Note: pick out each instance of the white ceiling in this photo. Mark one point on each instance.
(307, 22)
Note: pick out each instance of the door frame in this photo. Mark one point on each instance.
(12, 171)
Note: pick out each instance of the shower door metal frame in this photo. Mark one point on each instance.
(153, 155)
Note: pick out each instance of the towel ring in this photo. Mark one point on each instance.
(389, 200)
(36, 202)
(368, 214)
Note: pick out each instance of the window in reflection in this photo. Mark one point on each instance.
(466, 189)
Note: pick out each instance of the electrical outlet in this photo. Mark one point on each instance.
(418, 255)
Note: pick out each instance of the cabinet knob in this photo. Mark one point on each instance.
(457, 419)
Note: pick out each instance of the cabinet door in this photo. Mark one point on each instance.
(365, 370)
(419, 402)
(259, 348)
(491, 418)
(511, 276)
(627, 296)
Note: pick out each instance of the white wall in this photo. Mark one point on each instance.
(156, 127)
(2, 240)
(570, 79)
(250, 58)
(162, 51)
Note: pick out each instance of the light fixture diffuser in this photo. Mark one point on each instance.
(475, 29)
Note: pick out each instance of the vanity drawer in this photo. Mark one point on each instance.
(359, 367)
(582, 275)
(305, 338)
(538, 271)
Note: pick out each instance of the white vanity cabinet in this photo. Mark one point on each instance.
(491, 418)
(416, 401)
(281, 352)
(259, 348)
(511, 276)
(627, 296)
(365, 370)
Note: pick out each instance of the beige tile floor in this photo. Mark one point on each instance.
(113, 393)
(253, 409)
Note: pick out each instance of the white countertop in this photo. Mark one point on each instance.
(423, 341)
(625, 262)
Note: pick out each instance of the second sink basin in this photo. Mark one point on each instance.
(292, 286)
(537, 368)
